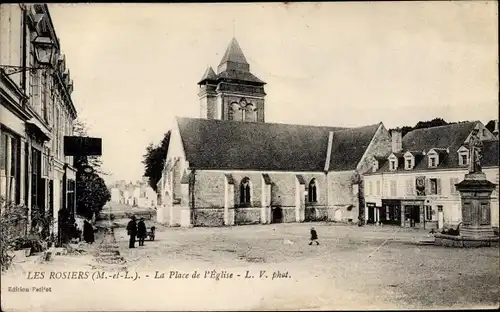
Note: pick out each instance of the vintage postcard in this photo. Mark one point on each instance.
(249, 156)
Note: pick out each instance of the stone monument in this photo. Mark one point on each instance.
(475, 192)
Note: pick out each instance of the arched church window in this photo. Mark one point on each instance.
(235, 112)
(245, 191)
(250, 113)
(312, 191)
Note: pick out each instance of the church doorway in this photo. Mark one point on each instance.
(277, 215)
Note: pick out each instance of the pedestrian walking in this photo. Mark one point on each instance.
(314, 237)
(141, 232)
(132, 232)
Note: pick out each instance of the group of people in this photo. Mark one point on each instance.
(136, 229)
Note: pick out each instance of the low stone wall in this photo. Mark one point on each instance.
(250, 215)
(209, 217)
(317, 213)
(463, 242)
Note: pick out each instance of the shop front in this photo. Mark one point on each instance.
(412, 213)
(391, 211)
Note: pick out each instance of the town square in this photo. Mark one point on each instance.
(151, 161)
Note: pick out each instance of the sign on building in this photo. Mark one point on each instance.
(82, 146)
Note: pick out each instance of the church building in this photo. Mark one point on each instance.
(232, 167)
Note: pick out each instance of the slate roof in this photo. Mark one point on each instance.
(234, 53)
(490, 153)
(438, 137)
(239, 75)
(208, 75)
(349, 146)
(234, 145)
(449, 137)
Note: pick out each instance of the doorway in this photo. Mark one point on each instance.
(412, 214)
(371, 215)
(277, 215)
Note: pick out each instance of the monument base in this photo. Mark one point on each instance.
(461, 241)
(477, 232)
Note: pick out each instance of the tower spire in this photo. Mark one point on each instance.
(233, 59)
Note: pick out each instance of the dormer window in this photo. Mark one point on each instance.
(393, 165)
(432, 161)
(409, 161)
(433, 157)
(463, 156)
(464, 160)
(393, 162)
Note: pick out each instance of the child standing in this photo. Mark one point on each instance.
(314, 237)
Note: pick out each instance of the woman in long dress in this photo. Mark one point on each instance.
(88, 232)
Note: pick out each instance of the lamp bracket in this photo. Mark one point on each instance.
(11, 69)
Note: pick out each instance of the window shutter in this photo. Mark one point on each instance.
(427, 186)
(438, 186)
(452, 185)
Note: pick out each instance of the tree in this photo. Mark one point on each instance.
(436, 122)
(154, 160)
(91, 191)
(91, 194)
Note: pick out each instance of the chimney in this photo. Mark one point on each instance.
(397, 140)
(495, 131)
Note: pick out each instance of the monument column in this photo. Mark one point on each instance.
(475, 192)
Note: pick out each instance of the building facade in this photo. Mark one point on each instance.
(36, 112)
(138, 194)
(414, 186)
(231, 167)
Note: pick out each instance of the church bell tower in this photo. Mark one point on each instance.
(234, 93)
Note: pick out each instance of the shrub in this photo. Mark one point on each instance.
(14, 233)
(13, 224)
(34, 242)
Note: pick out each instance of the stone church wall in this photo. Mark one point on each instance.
(247, 215)
(381, 145)
(333, 192)
(341, 194)
(209, 217)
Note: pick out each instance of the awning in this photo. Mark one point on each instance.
(38, 129)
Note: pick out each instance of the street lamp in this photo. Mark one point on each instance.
(88, 169)
(45, 50)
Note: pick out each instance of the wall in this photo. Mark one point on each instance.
(341, 195)
(258, 103)
(175, 151)
(209, 196)
(11, 37)
(379, 146)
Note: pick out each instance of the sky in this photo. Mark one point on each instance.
(136, 66)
